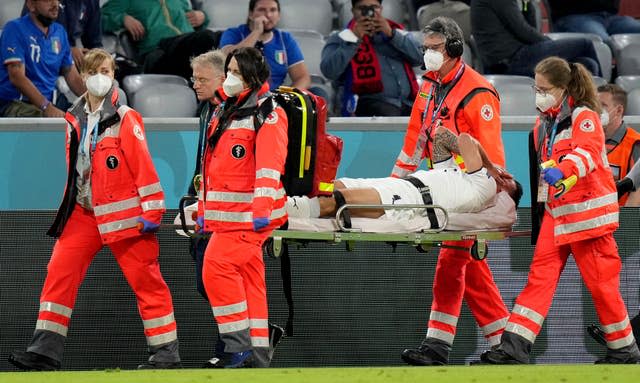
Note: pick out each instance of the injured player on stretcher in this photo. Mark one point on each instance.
(482, 196)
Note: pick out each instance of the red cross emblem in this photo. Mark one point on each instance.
(487, 112)
(587, 126)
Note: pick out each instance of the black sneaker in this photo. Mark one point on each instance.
(498, 357)
(214, 362)
(153, 365)
(597, 334)
(30, 361)
(422, 356)
(608, 359)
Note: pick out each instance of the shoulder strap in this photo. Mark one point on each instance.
(262, 112)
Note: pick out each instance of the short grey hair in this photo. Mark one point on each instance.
(444, 26)
(215, 58)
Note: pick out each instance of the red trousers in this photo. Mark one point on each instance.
(138, 259)
(599, 264)
(459, 276)
(233, 275)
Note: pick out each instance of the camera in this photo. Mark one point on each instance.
(368, 10)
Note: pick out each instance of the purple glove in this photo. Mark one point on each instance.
(200, 225)
(145, 226)
(552, 175)
(260, 223)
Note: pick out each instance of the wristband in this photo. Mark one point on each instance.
(44, 105)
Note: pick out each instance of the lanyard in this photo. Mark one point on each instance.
(436, 108)
(552, 137)
(94, 138)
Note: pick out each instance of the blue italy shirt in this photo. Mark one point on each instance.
(281, 51)
(42, 55)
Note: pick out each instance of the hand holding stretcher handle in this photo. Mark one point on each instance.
(562, 185)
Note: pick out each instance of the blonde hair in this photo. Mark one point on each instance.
(215, 58)
(94, 58)
(574, 77)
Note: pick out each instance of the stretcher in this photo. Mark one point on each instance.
(333, 231)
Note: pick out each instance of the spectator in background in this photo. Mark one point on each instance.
(509, 43)
(373, 57)
(167, 33)
(279, 47)
(622, 142)
(599, 17)
(35, 51)
(419, 3)
(81, 20)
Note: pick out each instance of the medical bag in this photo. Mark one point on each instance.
(313, 156)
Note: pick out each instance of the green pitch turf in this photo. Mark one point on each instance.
(453, 374)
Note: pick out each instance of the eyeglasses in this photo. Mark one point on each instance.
(542, 91)
(199, 80)
(435, 47)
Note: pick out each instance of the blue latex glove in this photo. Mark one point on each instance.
(200, 225)
(260, 223)
(145, 226)
(552, 175)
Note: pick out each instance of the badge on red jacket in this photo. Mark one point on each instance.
(238, 151)
(112, 162)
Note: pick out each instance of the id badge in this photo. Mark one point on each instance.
(543, 191)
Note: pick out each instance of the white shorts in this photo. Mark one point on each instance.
(454, 190)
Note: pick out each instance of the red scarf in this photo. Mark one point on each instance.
(365, 67)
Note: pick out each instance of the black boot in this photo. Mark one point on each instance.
(625, 355)
(498, 356)
(597, 334)
(431, 352)
(30, 361)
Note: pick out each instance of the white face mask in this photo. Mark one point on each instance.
(433, 60)
(232, 85)
(604, 117)
(99, 84)
(544, 102)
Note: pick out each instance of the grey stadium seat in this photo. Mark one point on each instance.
(633, 103)
(517, 97)
(628, 83)
(315, 15)
(629, 60)
(311, 44)
(133, 83)
(620, 41)
(457, 10)
(605, 57)
(599, 81)
(9, 10)
(225, 13)
(165, 100)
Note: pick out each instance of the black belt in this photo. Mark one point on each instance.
(426, 198)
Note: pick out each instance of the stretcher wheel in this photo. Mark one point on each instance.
(479, 250)
(269, 248)
(424, 247)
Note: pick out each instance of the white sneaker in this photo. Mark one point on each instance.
(298, 207)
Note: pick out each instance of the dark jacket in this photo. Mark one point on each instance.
(501, 27)
(560, 8)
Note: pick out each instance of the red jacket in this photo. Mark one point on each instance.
(124, 182)
(242, 169)
(471, 106)
(621, 158)
(590, 208)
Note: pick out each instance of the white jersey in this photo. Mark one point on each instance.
(450, 187)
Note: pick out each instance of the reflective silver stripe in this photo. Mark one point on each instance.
(200, 195)
(444, 336)
(587, 155)
(150, 189)
(278, 213)
(528, 313)
(268, 173)
(230, 309)
(494, 326)
(622, 342)
(399, 172)
(403, 157)
(586, 224)
(111, 132)
(229, 196)
(260, 341)
(584, 206)
(267, 192)
(225, 328)
(613, 327)
(118, 225)
(244, 123)
(157, 340)
(157, 322)
(43, 324)
(225, 216)
(56, 308)
(582, 171)
(494, 340)
(156, 204)
(116, 206)
(259, 323)
(563, 135)
(443, 318)
(521, 330)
